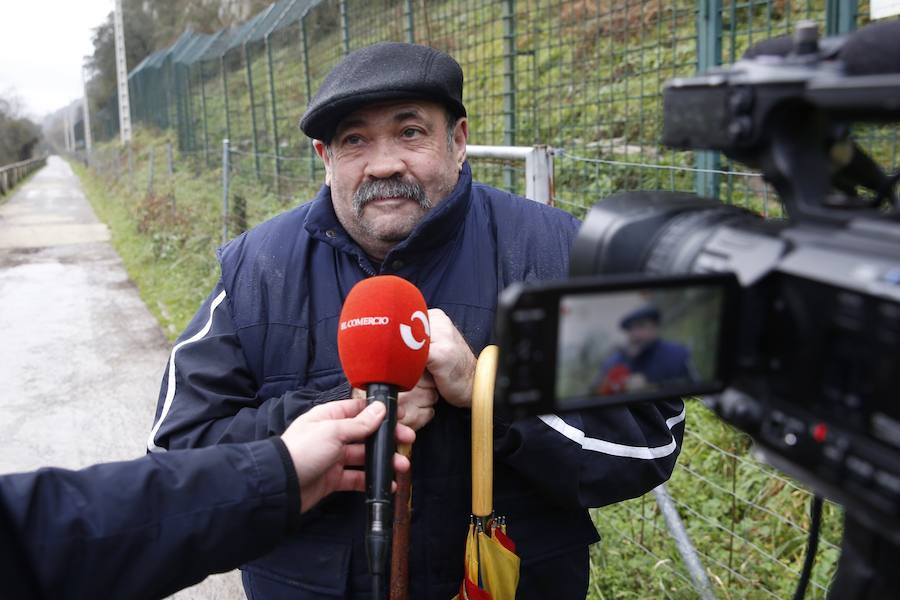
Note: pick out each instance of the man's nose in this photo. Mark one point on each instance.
(385, 162)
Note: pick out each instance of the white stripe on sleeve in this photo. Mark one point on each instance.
(170, 381)
(611, 448)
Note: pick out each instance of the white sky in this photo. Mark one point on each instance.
(42, 48)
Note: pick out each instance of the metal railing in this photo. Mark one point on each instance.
(12, 174)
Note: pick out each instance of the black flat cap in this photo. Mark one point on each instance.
(648, 311)
(383, 72)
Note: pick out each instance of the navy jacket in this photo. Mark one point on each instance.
(660, 361)
(143, 528)
(263, 349)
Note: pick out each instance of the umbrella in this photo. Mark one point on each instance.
(491, 563)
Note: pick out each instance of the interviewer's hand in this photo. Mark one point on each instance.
(415, 408)
(329, 438)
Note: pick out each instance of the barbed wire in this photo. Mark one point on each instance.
(714, 524)
(660, 559)
(750, 503)
(619, 163)
(652, 523)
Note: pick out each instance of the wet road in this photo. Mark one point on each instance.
(81, 357)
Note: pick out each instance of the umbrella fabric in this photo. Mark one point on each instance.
(492, 556)
(499, 566)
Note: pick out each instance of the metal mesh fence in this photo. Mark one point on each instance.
(582, 76)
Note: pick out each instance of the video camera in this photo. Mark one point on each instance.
(793, 324)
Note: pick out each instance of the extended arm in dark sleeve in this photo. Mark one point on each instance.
(208, 394)
(149, 527)
(594, 458)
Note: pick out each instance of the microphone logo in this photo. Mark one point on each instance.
(406, 333)
(364, 321)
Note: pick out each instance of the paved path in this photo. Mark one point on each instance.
(81, 357)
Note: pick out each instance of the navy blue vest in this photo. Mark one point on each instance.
(286, 281)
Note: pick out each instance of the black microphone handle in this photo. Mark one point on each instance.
(380, 448)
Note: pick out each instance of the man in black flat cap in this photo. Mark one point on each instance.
(645, 359)
(390, 127)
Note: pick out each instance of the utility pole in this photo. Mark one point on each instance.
(86, 111)
(122, 77)
(67, 130)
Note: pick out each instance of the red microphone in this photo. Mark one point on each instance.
(383, 335)
(383, 339)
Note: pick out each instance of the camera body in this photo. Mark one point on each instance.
(807, 343)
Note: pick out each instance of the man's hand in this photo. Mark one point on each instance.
(415, 408)
(450, 360)
(329, 438)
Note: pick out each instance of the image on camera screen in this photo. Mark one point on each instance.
(637, 342)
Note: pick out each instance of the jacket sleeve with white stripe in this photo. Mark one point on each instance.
(208, 395)
(595, 457)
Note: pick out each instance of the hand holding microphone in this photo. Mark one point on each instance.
(383, 343)
(415, 408)
(326, 440)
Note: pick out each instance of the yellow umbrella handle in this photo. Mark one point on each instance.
(483, 432)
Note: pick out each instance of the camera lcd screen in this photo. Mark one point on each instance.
(651, 342)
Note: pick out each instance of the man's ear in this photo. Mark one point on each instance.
(323, 152)
(460, 135)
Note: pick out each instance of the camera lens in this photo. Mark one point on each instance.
(648, 232)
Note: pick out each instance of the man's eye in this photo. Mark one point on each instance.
(410, 132)
(352, 140)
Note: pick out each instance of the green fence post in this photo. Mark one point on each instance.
(304, 47)
(225, 96)
(409, 18)
(709, 54)
(180, 104)
(274, 114)
(255, 140)
(509, 84)
(152, 159)
(203, 110)
(226, 180)
(345, 27)
(169, 93)
(189, 109)
(175, 99)
(840, 16)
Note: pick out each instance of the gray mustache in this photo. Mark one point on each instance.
(389, 188)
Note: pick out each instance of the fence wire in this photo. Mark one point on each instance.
(582, 76)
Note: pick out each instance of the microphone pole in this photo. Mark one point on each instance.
(380, 448)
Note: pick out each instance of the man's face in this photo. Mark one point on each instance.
(641, 333)
(388, 165)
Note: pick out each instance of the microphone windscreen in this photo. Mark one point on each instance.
(873, 50)
(383, 333)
